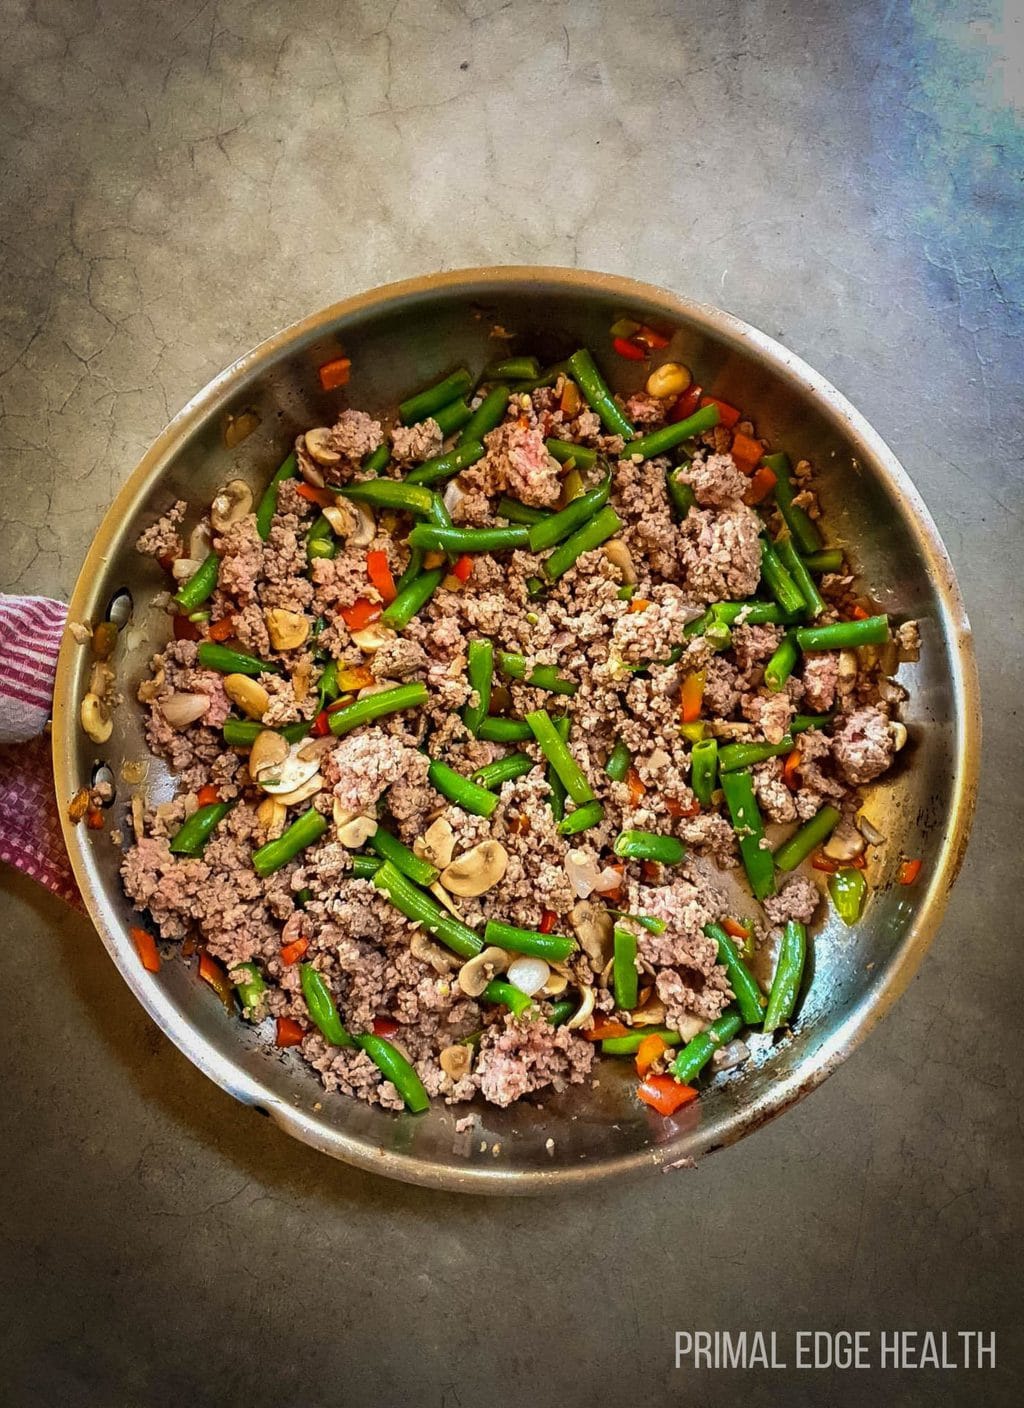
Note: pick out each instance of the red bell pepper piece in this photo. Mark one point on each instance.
(289, 1033)
(384, 1026)
(222, 630)
(361, 613)
(463, 569)
(746, 452)
(909, 871)
(379, 572)
(208, 795)
(335, 374)
(291, 953)
(145, 947)
(605, 1027)
(727, 415)
(664, 1094)
(213, 973)
(628, 349)
(687, 404)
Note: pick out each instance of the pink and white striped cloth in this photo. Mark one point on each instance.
(30, 836)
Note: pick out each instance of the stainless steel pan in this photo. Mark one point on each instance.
(404, 336)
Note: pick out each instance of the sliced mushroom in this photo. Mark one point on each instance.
(251, 697)
(95, 719)
(352, 829)
(182, 568)
(182, 709)
(898, 734)
(619, 555)
(440, 959)
(340, 517)
(477, 870)
(318, 443)
(138, 816)
(303, 792)
(441, 894)
(456, 1060)
(271, 815)
(870, 833)
(584, 1012)
(848, 669)
(317, 747)
(230, 505)
(101, 678)
(528, 974)
(846, 842)
(292, 772)
(437, 844)
(366, 527)
(595, 931)
(287, 629)
(475, 974)
(149, 689)
(651, 1014)
(556, 983)
(200, 540)
(373, 638)
(269, 750)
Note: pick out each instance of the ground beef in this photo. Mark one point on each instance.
(754, 645)
(354, 435)
(642, 409)
(398, 659)
(820, 676)
(774, 797)
(517, 462)
(862, 745)
(162, 538)
(693, 994)
(770, 714)
(241, 560)
(521, 1056)
(715, 480)
(650, 634)
(363, 765)
(412, 444)
(798, 899)
(721, 553)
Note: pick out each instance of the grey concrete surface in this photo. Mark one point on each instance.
(178, 182)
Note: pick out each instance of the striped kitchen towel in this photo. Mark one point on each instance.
(30, 836)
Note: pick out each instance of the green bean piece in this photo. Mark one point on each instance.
(648, 845)
(555, 787)
(446, 466)
(659, 442)
(303, 832)
(848, 889)
(376, 706)
(749, 997)
(788, 972)
(828, 560)
(304, 896)
(425, 403)
(814, 602)
(320, 540)
(461, 540)
(515, 512)
(395, 1068)
(390, 493)
(452, 417)
(494, 729)
(627, 592)
(200, 586)
(242, 733)
(546, 378)
(327, 685)
(489, 413)
(630, 1045)
(558, 755)
(680, 493)
(800, 723)
(321, 1006)
(697, 1053)
(582, 819)
(747, 755)
(561, 1011)
(424, 910)
(746, 820)
(191, 838)
(591, 535)
(480, 672)
(780, 666)
(620, 760)
(554, 947)
(779, 582)
(625, 978)
(251, 989)
(460, 790)
(496, 774)
(411, 600)
(754, 613)
(513, 667)
(535, 587)
(844, 635)
(704, 769)
(512, 369)
(599, 398)
(565, 452)
(412, 570)
(808, 838)
(389, 847)
(232, 662)
(556, 526)
(507, 995)
(377, 460)
(267, 506)
(797, 519)
(365, 867)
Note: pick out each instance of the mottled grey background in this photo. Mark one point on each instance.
(180, 180)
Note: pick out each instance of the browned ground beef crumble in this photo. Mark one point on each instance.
(376, 963)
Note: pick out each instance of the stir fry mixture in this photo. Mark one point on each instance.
(473, 712)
